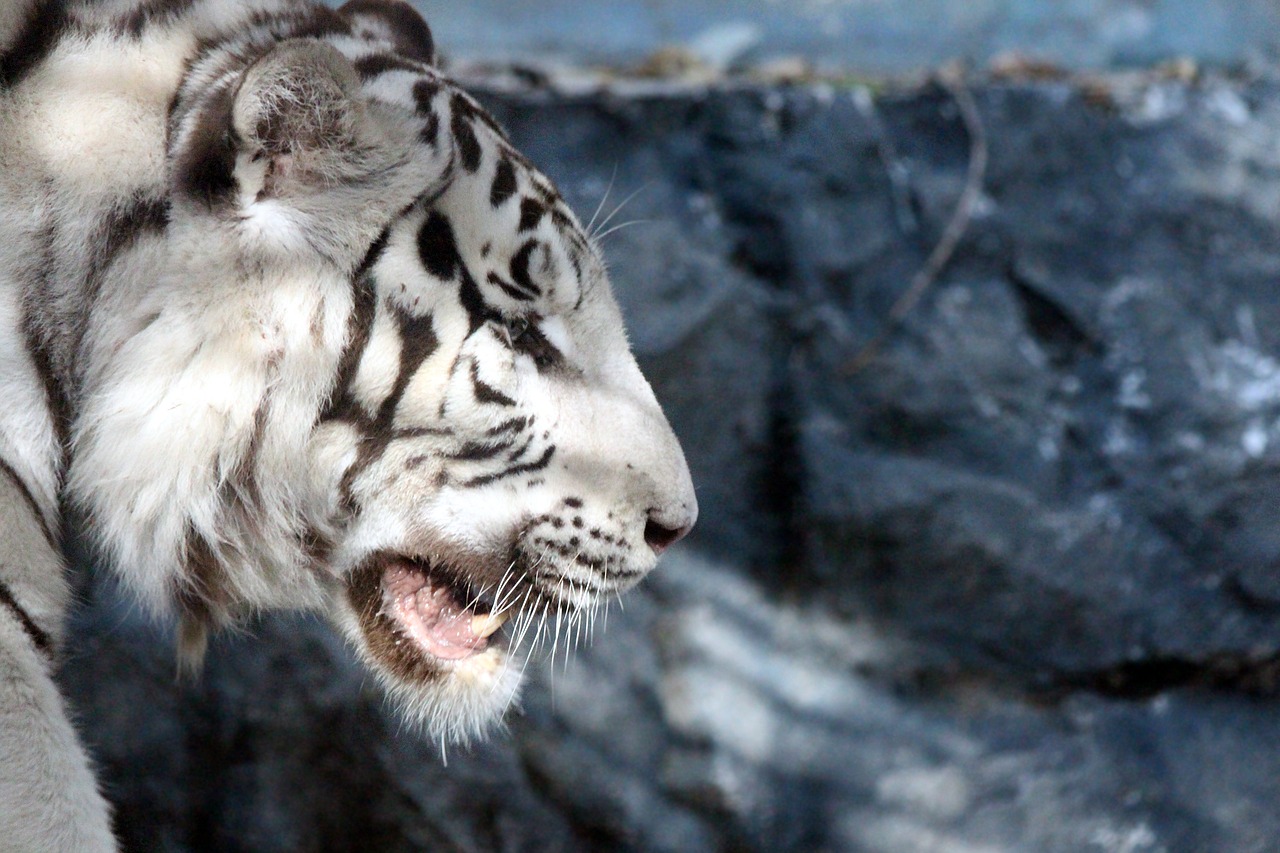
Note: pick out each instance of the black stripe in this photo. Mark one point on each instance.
(512, 425)
(38, 344)
(369, 67)
(438, 248)
(562, 221)
(315, 22)
(531, 213)
(510, 289)
(465, 134)
(39, 638)
(359, 326)
(45, 24)
(205, 167)
(430, 133)
(418, 343)
(521, 451)
(420, 432)
(42, 358)
(424, 94)
(153, 12)
(534, 344)
(478, 311)
(520, 267)
(119, 230)
(485, 393)
(410, 34)
(45, 526)
(537, 465)
(504, 183)
(374, 254)
(137, 216)
(476, 451)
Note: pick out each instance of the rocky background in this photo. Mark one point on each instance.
(873, 36)
(1012, 583)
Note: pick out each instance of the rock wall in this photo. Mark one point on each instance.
(1012, 586)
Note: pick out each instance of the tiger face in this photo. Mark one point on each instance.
(377, 370)
(510, 459)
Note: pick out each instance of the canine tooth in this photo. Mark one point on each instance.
(484, 626)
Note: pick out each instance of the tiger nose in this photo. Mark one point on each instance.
(662, 530)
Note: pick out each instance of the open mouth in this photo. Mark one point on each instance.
(425, 621)
(442, 615)
(455, 618)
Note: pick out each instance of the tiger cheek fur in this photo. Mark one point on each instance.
(319, 337)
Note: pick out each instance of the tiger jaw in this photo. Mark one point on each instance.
(422, 621)
(428, 621)
(430, 613)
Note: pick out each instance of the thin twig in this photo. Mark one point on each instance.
(956, 228)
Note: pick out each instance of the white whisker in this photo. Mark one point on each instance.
(524, 621)
(604, 198)
(622, 225)
(618, 210)
(497, 595)
(555, 645)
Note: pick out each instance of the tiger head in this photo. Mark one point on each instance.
(376, 370)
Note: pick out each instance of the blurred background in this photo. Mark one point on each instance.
(860, 36)
(968, 315)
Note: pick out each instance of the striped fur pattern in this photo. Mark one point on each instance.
(290, 322)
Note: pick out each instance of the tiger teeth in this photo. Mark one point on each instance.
(485, 626)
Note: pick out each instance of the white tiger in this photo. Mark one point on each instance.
(289, 322)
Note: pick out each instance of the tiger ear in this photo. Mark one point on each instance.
(298, 115)
(296, 134)
(292, 119)
(395, 22)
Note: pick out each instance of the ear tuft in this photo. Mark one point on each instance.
(300, 101)
(395, 22)
(296, 117)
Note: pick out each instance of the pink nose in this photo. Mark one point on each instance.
(660, 537)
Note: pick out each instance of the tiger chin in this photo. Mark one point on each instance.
(293, 325)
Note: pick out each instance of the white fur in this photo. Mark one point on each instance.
(175, 410)
(125, 89)
(48, 799)
(26, 433)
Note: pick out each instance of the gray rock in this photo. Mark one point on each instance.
(1054, 464)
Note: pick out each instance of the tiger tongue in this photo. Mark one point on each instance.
(431, 615)
(444, 628)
